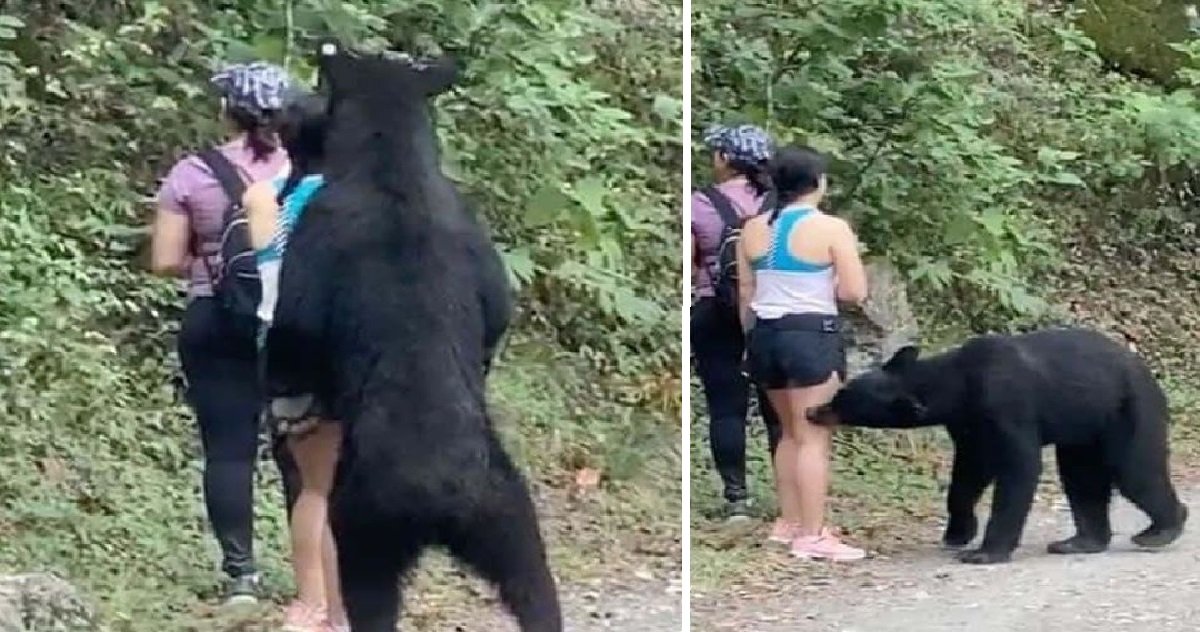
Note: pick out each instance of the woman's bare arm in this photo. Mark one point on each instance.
(169, 242)
(851, 276)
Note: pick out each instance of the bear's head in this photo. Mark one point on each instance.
(381, 119)
(879, 398)
(396, 77)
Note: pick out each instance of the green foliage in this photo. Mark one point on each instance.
(965, 135)
(564, 131)
(1137, 35)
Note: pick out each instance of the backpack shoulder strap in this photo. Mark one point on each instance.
(231, 181)
(234, 187)
(724, 206)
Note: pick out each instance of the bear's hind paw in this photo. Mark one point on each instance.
(980, 556)
(1076, 545)
(1157, 537)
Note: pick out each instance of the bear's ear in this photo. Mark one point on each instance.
(903, 358)
(337, 67)
(328, 47)
(439, 74)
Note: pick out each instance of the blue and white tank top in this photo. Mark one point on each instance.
(270, 256)
(785, 284)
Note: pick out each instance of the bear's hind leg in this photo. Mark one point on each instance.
(1087, 482)
(968, 478)
(502, 543)
(371, 564)
(1018, 464)
(1143, 470)
(1148, 486)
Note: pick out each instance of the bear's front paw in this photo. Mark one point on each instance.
(959, 533)
(980, 556)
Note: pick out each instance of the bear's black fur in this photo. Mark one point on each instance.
(392, 299)
(1004, 397)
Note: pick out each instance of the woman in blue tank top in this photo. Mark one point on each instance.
(306, 439)
(795, 264)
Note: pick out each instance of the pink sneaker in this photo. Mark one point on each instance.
(303, 617)
(783, 532)
(825, 547)
(330, 626)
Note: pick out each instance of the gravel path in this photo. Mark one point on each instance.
(927, 591)
(629, 606)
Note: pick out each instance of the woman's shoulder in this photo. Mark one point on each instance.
(181, 182)
(188, 166)
(259, 195)
(835, 223)
(831, 228)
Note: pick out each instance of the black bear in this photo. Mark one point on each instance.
(391, 301)
(1004, 397)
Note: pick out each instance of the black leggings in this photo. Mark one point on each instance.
(717, 347)
(223, 391)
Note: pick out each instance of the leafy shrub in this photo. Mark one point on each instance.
(965, 135)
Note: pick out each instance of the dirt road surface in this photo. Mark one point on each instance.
(927, 590)
(601, 606)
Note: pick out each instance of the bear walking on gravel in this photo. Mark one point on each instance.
(1004, 397)
(391, 301)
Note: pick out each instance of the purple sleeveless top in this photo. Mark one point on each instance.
(707, 227)
(191, 189)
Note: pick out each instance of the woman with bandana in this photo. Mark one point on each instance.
(739, 158)
(219, 360)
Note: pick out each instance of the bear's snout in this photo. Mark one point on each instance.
(823, 415)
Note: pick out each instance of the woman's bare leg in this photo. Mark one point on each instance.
(316, 458)
(333, 591)
(786, 485)
(810, 463)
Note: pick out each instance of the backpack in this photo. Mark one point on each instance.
(723, 271)
(235, 283)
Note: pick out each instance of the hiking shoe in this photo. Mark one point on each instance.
(737, 511)
(303, 617)
(783, 532)
(242, 591)
(825, 546)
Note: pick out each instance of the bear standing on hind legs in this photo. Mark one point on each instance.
(391, 301)
(1002, 398)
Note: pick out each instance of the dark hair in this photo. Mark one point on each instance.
(795, 171)
(302, 127)
(755, 172)
(260, 130)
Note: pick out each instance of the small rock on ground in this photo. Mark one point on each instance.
(41, 602)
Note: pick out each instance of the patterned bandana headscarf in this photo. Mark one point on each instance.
(745, 143)
(257, 88)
